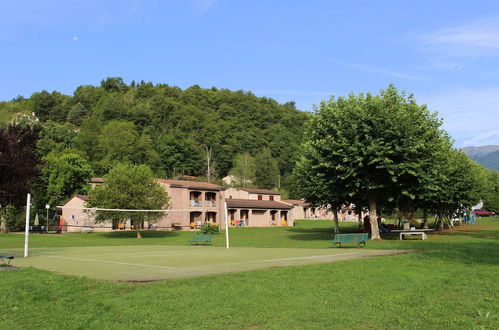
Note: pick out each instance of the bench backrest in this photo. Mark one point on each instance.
(351, 237)
(202, 237)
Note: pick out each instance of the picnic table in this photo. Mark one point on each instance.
(405, 232)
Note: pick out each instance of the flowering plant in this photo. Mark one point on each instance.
(210, 228)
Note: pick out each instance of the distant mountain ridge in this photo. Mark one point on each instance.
(488, 156)
(477, 152)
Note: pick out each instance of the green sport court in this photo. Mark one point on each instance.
(159, 262)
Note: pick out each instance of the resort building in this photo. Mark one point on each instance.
(192, 203)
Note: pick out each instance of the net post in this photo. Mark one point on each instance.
(226, 225)
(26, 230)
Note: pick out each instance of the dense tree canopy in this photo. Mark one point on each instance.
(18, 167)
(383, 150)
(244, 167)
(266, 170)
(61, 177)
(129, 187)
(163, 126)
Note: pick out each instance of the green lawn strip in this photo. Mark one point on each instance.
(153, 262)
(307, 234)
(452, 283)
(403, 291)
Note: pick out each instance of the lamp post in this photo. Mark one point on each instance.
(47, 228)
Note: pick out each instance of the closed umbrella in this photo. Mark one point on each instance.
(37, 222)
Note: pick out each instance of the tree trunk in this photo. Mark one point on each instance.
(4, 215)
(361, 222)
(336, 223)
(449, 221)
(138, 233)
(425, 219)
(440, 222)
(373, 219)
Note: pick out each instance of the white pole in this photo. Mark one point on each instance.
(26, 230)
(226, 225)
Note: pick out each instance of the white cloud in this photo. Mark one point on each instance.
(486, 138)
(479, 38)
(470, 116)
(451, 48)
(377, 70)
(202, 6)
(76, 38)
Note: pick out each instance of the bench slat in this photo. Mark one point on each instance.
(350, 238)
(202, 238)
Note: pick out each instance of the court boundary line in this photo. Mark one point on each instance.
(326, 256)
(110, 262)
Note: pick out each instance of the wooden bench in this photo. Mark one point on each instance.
(350, 238)
(8, 258)
(201, 239)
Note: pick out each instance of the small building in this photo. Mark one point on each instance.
(258, 213)
(257, 207)
(252, 193)
(300, 210)
(76, 219)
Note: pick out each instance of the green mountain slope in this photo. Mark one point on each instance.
(163, 126)
(490, 161)
(479, 152)
(488, 156)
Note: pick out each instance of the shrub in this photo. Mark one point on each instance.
(209, 228)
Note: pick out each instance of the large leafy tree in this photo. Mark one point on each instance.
(244, 169)
(129, 187)
(266, 171)
(368, 147)
(463, 185)
(18, 163)
(491, 199)
(55, 137)
(61, 177)
(116, 144)
(313, 181)
(54, 106)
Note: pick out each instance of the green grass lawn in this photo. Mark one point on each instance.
(452, 283)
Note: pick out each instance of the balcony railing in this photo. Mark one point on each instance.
(211, 203)
(195, 203)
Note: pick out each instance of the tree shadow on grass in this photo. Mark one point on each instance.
(462, 246)
(145, 234)
(311, 234)
(318, 233)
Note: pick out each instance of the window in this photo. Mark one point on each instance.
(271, 198)
(260, 197)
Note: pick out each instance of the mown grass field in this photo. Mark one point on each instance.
(451, 283)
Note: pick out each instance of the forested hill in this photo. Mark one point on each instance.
(162, 126)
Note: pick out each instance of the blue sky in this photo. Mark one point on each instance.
(445, 52)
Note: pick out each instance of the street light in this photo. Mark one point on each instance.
(47, 207)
